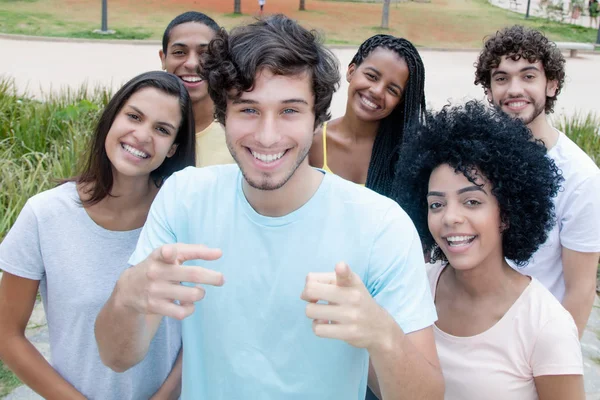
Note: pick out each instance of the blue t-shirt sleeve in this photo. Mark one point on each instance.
(20, 252)
(159, 227)
(397, 277)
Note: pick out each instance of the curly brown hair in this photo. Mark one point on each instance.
(278, 44)
(515, 42)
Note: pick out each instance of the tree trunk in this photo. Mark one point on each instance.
(385, 16)
(237, 6)
(302, 6)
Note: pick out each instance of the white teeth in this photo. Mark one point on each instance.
(191, 79)
(517, 104)
(268, 157)
(459, 240)
(369, 103)
(134, 151)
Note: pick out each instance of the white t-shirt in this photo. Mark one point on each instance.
(535, 337)
(577, 208)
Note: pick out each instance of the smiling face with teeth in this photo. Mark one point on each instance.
(269, 130)
(187, 42)
(376, 85)
(142, 134)
(519, 88)
(464, 218)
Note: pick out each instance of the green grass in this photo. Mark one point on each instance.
(41, 142)
(583, 129)
(8, 381)
(46, 24)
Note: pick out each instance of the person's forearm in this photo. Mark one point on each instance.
(171, 388)
(34, 371)
(122, 334)
(579, 304)
(403, 373)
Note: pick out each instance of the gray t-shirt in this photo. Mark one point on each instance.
(78, 263)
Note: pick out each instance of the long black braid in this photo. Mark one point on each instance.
(409, 111)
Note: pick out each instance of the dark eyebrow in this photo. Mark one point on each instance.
(374, 70)
(379, 73)
(136, 109)
(289, 101)
(244, 101)
(438, 194)
(166, 124)
(159, 122)
(474, 188)
(178, 44)
(528, 68)
(249, 101)
(531, 67)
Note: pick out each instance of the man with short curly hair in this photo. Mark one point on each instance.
(522, 73)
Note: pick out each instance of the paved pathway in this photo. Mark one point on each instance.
(42, 67)
(48, 66)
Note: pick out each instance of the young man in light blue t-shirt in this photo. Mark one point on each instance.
(293, 278)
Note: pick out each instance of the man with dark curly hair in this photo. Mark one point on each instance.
(293, 242)
(480, 190)
(522, 73)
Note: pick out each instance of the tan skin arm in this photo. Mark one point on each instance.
(580, 285)
(418, 350)
(17, 298)
(560, 387)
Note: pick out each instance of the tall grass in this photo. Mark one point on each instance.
(583, 129)
(41, 142)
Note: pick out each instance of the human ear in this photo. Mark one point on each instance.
(163, 59)
(551, 88)
(172, 150)
(350, 72)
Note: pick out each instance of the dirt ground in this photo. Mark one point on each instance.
(339, 22)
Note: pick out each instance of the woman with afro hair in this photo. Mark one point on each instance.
(479, 189)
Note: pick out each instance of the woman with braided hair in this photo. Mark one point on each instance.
(386, 96)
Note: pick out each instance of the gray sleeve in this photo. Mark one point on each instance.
(20, 252)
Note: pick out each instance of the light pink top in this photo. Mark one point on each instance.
(536, 337)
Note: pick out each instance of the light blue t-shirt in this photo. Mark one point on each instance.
(251, 338)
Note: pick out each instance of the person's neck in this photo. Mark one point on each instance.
(204, 114)
(129, 193)
(492, 278)
(296, 192)
(542, 130)
(355, 129)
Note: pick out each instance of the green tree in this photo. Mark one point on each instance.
(237, 6)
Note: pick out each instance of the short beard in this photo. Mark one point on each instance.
(265, 183)
(537, 110)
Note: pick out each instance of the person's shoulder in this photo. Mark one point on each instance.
(61, 197)
(364, 200)
(543, 307)
(195, 179)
